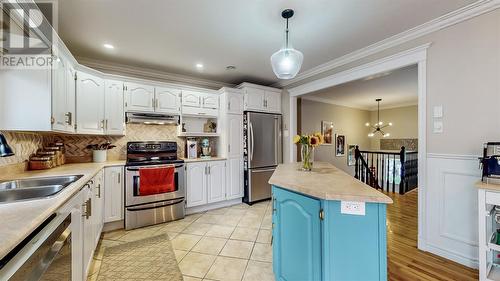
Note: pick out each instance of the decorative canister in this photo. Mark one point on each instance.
(99, 156)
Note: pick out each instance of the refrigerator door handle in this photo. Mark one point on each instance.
(263, 170)
(251, 139)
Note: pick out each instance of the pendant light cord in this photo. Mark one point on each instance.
(378, 113)
(286, 32)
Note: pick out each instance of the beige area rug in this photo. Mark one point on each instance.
(149, 259)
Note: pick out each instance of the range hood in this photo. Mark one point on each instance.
(152, 118)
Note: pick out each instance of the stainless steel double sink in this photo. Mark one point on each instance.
(34, 188)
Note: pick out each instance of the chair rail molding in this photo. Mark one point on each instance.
(451, 216)
(473, 10)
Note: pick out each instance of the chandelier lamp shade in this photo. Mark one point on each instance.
(379, 126)
(287, 61)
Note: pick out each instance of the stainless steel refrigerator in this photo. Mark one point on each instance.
(262, 153)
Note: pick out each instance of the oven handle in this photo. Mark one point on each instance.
(154, 166)
(155, 206)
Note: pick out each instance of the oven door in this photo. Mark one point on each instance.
(133, 185)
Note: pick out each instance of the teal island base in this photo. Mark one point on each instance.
(314, 240)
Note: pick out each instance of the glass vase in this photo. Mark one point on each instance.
(307, 153)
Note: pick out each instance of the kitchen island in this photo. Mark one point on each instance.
(327, 225)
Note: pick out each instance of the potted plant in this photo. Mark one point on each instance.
(307, 144)
(99, 151)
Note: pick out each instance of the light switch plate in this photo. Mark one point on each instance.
(352, 208)
(438, 111)
(438, 126)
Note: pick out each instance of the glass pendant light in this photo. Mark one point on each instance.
(287, 61)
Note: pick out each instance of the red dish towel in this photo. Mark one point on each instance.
(156, 180)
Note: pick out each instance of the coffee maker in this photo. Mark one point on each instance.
(490, 162)
(191, 148)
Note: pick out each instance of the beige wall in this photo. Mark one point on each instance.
(346, 121)
(463, 66)
(405, 124)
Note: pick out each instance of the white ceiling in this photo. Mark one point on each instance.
(396, 89)
(173, 36)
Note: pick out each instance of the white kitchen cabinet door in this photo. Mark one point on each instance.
(63, 95)
(210, 101)
(114, 110)
(196, 181)
(88, 230)
(90, 104)
(234, 103)
(59, 100)
(168, 100)
(190, 98)
(273, 102)
(216, 181)
(98, 207)
(234, 183)
(255, 99)
(139, 97)
(235, 135)
(113, 194)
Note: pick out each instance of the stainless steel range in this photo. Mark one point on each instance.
(158, 208)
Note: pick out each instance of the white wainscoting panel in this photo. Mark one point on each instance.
(451, 200)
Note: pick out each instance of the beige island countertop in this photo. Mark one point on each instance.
(21, 218)
(325, 182)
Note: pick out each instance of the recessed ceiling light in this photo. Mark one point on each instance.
(230, 67)
(199, 65)
(108, 46)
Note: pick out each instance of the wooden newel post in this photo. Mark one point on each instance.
(357, 155)
(402, 159)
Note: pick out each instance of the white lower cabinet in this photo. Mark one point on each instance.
(113, 194)
(216, 179)
(205, 182)
(234, 187)
(196, 182)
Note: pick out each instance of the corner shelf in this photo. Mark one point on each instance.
(198, 134)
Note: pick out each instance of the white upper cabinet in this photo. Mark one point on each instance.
(216, 180)
(90, 104)
(114, 112)
(139, 97)
(234, 103)
(63, 95)
(190, 98)
(210, 101)
(168, 100)
(273, 102)
(261, 98)
(255, 99)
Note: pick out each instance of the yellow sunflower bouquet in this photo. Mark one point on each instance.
(307, 144)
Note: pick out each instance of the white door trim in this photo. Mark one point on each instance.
(412, 56)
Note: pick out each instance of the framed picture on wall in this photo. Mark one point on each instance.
(351, 158)
(339, 145)
(327, 132)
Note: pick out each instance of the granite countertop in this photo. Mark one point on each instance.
(325, 182)
(21, 218)
(186, 160)
(488, 186)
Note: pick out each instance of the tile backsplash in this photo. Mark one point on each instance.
(24, 144)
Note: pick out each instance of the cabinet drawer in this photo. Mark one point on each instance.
(493, 198)
(196, 111)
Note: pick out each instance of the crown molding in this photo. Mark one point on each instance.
(150, 74)
(473, 10)
(366, 108)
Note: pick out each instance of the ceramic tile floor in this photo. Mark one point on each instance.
(230, 243)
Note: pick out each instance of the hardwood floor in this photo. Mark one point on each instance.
(405, 261)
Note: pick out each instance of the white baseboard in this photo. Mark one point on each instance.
(217, 205)
(473, 263)
(114, 225)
